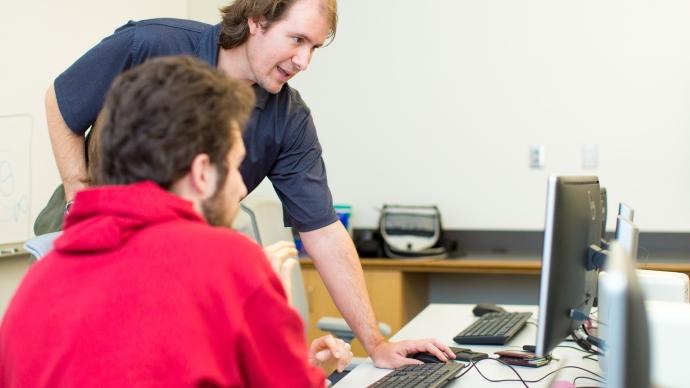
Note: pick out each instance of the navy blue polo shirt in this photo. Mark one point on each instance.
(280, 137)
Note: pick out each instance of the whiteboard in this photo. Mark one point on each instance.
(15, 178)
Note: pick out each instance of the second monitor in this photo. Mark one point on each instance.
(568, 284)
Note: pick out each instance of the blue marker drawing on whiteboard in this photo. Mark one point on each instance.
(12, 205)
(6, 179)
(15, 178)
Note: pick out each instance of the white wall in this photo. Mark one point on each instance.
(438, 101)
(42, 38)
(207, 11)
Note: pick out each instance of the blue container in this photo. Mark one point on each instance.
(344, 212)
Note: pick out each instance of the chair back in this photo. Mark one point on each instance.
(291, 276)
(265, 220)
(40, 246)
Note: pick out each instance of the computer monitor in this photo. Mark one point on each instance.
(623, 323)
(627, 234)
(568, 287)
(626, 211)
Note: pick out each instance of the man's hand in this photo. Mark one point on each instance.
(278, 252)
(394, 354)
(329, 354)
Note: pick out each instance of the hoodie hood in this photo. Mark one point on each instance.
(104, 218)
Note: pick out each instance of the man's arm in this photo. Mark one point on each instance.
(68, 148)
(336, 259)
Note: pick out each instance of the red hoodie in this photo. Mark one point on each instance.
(141, 291)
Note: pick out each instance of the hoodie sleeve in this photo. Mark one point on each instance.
(273, 345)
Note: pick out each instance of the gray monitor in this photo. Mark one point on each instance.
(623, 323)
(626, 211)
(573, 224)
(627, 234)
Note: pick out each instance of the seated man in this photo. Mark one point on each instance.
(140, 289)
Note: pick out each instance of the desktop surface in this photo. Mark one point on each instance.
(443, 321)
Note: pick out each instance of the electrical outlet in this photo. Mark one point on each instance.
(590, 156)
(536, 156)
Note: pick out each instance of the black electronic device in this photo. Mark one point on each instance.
(461, 354)
(468, 355)
(425, 357)
(493, 328)
(483, 308)
(568, 281)
(432, 375)
(522, 358)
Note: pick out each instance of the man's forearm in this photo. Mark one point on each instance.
(336, 259)
(68, 148)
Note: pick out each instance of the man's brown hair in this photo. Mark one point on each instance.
(235, 28)
(159, 115)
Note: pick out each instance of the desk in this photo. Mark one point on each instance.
(400, 289)
(444, 321)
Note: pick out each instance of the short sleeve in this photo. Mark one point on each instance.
(299, 178)
(81, 89)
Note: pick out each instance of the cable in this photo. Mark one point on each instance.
(560, 369)
(504, 380)
(584, 343)
(578, 349)
(543, 377)
(591, 357)
(587, 378)
(472, 365)
(521, 379)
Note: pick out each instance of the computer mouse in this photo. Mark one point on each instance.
(484, 308)
(425, 357)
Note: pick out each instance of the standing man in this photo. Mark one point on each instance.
(263, 43)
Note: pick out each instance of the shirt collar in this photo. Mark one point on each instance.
(261, 96)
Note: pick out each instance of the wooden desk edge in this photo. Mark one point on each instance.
(481, 265)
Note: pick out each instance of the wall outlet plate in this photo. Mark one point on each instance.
(536, 156)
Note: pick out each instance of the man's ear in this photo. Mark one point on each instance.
(256, 24)
(203, 176)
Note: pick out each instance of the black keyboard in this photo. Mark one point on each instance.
(424, 375)
(493, 329)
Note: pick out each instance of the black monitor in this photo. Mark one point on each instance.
(568, 287)
(623, 323)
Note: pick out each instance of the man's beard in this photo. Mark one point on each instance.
(216, 210)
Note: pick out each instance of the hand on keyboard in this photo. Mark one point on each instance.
(394, 354)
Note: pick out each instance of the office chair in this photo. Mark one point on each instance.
(263, 221)
(40, 246)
